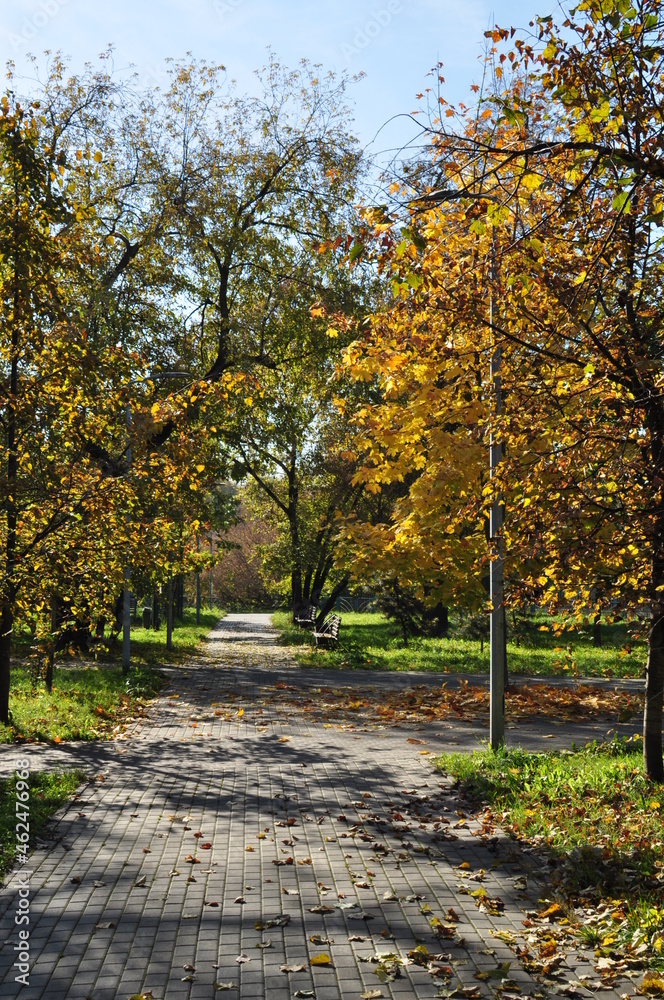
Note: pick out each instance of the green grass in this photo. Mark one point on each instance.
(370, 641)
(47, 792)
(92, 701)
(87, 703)
(149, 646)
(594, 813)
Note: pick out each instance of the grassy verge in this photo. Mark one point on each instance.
(148, 646)
(598, 821)
(369, 641)
(48, 791)
(87, 703)
(94, 701)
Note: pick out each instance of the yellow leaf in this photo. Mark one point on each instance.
(321, 959)
(652, 985)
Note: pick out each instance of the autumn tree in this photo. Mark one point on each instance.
(546, 200)
(254, 187)
(77, 391)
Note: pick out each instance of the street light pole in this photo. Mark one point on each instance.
(496, 587)
(198, 584)
(211, 576)
(126, 595)
(497, 663)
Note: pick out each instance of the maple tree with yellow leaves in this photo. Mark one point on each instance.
(545, 202)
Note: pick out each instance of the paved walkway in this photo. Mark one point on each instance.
(230, 834)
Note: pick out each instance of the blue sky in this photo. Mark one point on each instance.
(395, 42)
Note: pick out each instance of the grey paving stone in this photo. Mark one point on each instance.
(231, 777)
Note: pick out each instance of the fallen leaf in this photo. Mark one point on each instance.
(140, 883)
(371, 994)
(321, 959)
(292, 968)
(242, 959)
(217, 985)
(321, 908)
(304, 993)
(239, 899)
(652, 985)
(105, 926)
(280, 921)
(264, 944)
(191, 860)
(205, 847)
(555, 910)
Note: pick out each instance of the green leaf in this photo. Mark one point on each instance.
(621, 203)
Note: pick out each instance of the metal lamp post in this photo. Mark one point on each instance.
(126, 596)
(496, 587)
(497, 662)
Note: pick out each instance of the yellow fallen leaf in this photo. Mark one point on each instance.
(321, 959)
(652, 985)
(555, 910)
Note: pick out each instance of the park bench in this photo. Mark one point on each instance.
(328, 634)
(306, 618)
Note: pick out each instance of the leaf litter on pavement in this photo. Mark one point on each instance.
(350, 705)
(418, 821)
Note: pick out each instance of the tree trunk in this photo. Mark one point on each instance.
(597, 631)
(50, 663)
(8, 596)
(169, 614)
(332, 599)
(6, 625)
(652, 714)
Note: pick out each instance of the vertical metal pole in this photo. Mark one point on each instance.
(211, 580)
(169, 612)
(497, 594)
(126, 597)
(198, 585)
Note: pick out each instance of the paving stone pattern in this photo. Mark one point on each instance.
(217, 762)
